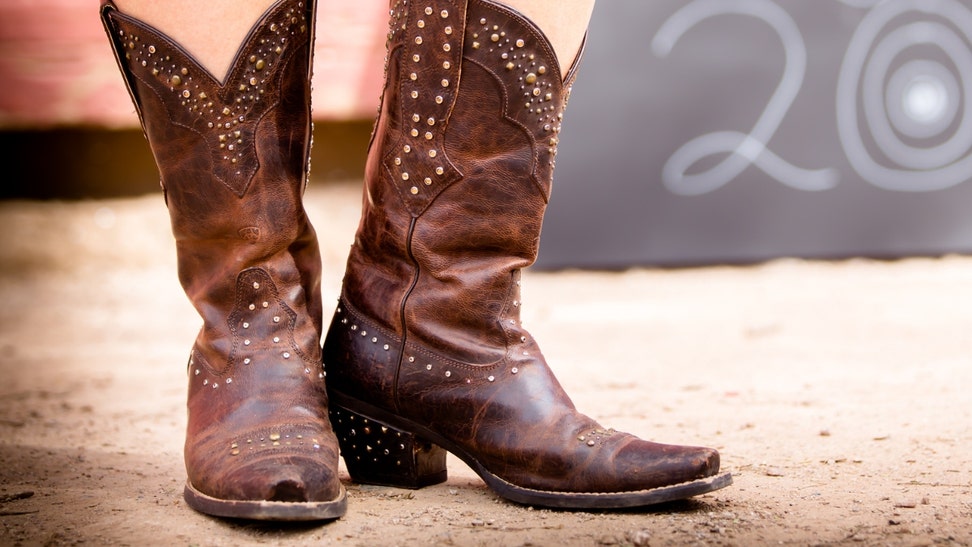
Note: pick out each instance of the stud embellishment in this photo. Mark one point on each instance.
(195, 100)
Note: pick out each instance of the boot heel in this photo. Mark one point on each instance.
(376, 453)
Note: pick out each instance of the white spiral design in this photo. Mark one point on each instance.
(919, 100)
(743, 149)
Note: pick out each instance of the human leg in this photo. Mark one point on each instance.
(233, 162)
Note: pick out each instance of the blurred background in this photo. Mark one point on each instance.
(699, 132)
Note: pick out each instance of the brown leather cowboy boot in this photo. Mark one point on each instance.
(233, 157)
(426, 351)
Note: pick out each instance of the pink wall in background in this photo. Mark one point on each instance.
(56, 67)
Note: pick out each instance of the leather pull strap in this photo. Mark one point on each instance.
(430, 66)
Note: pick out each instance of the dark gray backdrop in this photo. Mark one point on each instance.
(739, 130)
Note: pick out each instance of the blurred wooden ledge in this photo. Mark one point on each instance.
(90, 162)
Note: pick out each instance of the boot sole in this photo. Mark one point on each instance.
(267, 510)
(379, 474)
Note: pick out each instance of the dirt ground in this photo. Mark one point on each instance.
(839, 393)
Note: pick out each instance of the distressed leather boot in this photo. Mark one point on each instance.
(426, 352)
(233, 159)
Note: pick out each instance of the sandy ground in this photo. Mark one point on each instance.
(840, 395)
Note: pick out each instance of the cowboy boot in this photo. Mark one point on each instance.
(426, 350)
(233, 159)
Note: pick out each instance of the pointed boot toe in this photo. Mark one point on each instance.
(288, 480)
(276, 487)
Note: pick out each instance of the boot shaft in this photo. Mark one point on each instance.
(232, 154)
(458, 177)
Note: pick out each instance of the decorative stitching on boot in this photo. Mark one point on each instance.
(261, 321)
